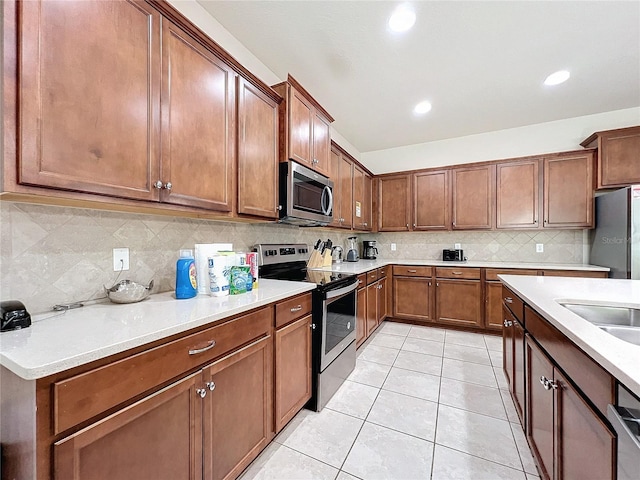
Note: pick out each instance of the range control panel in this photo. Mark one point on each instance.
(272, 253)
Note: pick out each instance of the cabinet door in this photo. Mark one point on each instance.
(619, 158)
(372, 308)
(412, 298)
(586, 447)
(517, 194)
(346, 191)
(321, 143)
(383, 308)
(568, 191)
(518, 384)
(361, 316)
(539, 409)
(493, 306)
(336, 162)
(472, 191)
(357, 206)
(90, 97)
(300, 128)
(394, 203)
(198, 124)
(458, 302)
(237, 414)
(257, 152)
(507, 346)
(157, 437)
(367, 207)
(293, 370)
(431, 201)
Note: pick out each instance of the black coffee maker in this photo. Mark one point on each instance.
(369, 250)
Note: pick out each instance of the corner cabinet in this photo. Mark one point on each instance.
(306, 128)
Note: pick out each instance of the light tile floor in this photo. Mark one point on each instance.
(422, 403)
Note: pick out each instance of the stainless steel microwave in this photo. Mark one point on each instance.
(306, 197)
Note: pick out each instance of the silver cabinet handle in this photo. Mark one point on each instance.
(158, 184)
(412, 271)
(211, 386)
(168, 186)
(548, 384)
(508, 299)
(379, 287)
(313, 326)
(429, 283)
(296, 309)
(437, 284)
(454, 223)
(507, 323)
(202, 392)
(407, 225)
(414, 225)
(279, 207)
(457, 273)
(195, 351)
(365, 224)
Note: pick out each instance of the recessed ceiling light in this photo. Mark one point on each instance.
(557, 78)
(422, 108)
(402, 18)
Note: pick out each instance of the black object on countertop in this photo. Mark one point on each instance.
(13, 316)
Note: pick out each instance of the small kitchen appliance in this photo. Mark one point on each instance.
(336, 254)
(352, 252)
(369, 250)
(306, 197)
(456, 255)
(14, 315)
(333, 344)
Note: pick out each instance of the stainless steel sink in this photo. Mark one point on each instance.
(603, 315)
(628, 334)
(621, 322)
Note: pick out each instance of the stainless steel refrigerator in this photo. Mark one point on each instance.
(615, 242)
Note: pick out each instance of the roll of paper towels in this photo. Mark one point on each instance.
(203, 252)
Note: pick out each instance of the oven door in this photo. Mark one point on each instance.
(338, 323)
(307, 196)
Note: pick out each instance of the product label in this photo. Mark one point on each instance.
(192, 276)
(358, 209)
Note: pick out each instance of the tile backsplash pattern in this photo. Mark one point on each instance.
(52, 255)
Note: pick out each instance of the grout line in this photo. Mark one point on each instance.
(481, 458)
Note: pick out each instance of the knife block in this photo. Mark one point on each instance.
(326, 259)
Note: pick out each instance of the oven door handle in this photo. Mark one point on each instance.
(341, 291)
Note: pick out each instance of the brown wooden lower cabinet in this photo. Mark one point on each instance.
(361, 316)
(493, 306)
(292, 369)
(372, 303)
(568, 439)
(412, 298)
(158, 437)
(372, 307)
(513, 359)
(458, 302)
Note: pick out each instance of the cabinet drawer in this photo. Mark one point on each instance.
(372, 276)
(491, 274)
(469, 273)
(594, 381)
(513, 303)
(411, 271)
(362, 280)
(88, 394)
(293, 308)
(382, 272)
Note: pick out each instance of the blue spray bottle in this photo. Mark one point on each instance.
(186, 282)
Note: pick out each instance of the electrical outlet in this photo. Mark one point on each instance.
(539, 247)
(393, 247)
(120, 259)
(457, 246)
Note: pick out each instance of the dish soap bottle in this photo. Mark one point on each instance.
(186, 282)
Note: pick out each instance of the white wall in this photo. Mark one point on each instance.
(557, 136)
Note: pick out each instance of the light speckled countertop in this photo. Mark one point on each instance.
(362, 266)
(56, 343)
(544, 294)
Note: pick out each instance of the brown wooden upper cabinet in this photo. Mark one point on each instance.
(306, 136)
(342, 176)
(472, 197)
(257, 152)
(431, 200)
(394, 203)
(618, 156)
(517, 194)
(568, 190)
(361, 199)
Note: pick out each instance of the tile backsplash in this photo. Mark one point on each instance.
(52, 255)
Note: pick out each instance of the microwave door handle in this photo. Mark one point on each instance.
(327, 193)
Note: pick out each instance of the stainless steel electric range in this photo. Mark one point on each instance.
(334, 315)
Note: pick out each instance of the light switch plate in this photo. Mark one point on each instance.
(539, 247)
(120, 259)
(393, 247)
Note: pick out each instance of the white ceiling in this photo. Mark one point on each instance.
(480, 63)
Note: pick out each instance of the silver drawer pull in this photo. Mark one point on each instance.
(202, 392)
(195, 351)
(548, 384)
(211, 386)
(457, 273)
(507, 323)
(508, 299)
(412, 271)
(296, 309)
